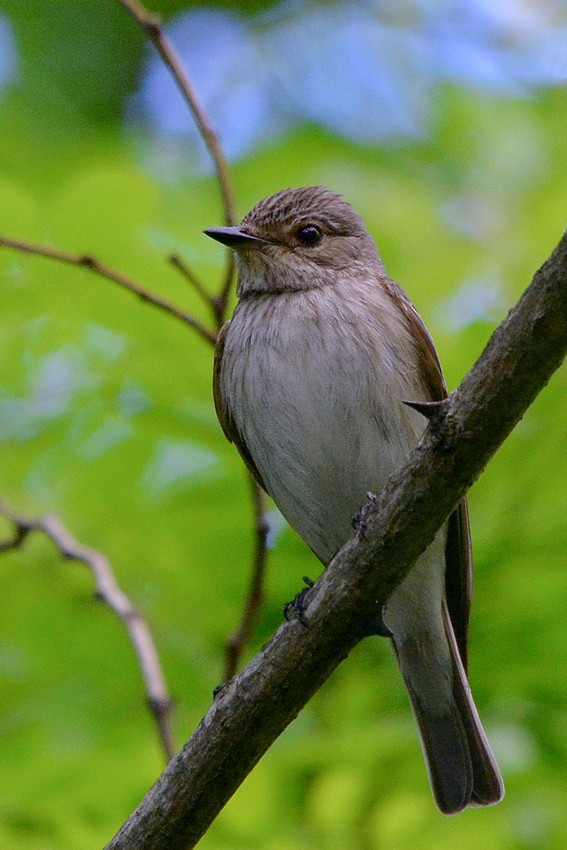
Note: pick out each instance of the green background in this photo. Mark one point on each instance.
(106, 419)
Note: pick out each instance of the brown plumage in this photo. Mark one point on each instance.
(309, 382)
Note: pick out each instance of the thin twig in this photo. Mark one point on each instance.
(217, 304)
(237, 642)
(92, 264)
(151, 25)
(190, 275)
(107, 591)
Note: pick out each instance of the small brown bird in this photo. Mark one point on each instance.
(310, 378)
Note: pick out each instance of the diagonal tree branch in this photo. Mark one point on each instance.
(88, 262)
(254, 708)
(107, 590)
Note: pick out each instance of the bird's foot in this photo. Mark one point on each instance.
(296, 608)
(360, 520)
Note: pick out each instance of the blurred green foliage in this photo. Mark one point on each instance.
(106, 419)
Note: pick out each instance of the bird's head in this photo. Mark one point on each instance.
(298, 239)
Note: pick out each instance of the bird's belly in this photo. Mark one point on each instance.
(322, 434)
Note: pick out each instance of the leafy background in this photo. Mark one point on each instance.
(106, 419)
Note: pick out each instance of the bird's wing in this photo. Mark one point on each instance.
(223, 412)
(458, 553)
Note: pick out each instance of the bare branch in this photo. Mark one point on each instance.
(151, 25)
(107, 591)
(216, 304)
(92, 264)
(237, 642)
(255, 707)
(190, 275)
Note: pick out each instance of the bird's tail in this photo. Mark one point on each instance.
(462, 770)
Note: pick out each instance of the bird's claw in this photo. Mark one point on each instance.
(360, 520)
(296, 608)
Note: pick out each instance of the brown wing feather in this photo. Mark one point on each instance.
(458, 553)
(458, 577)
(227, 423)
(222, 414)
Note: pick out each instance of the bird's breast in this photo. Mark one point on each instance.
(315, 385)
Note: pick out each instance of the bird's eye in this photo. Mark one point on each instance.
(309, 235)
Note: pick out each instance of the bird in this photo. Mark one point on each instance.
(310, 378)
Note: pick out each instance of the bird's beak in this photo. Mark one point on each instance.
(234, 237)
